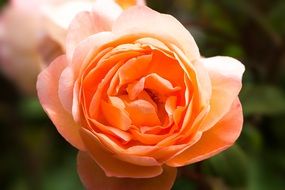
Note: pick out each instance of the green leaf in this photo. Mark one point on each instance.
(64, 177)
(251, 139)
(262, 100)
(262, 177)
(31, 109)
(231, 166)
(181, 184)
(277, 17)
(234, 51)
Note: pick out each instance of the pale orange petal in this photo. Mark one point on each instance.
(215, 140)
(65, 89)
(84, 25)
(108, 9)
(93, 178)
(84, 50)
(47, 87)
(134, 69)
(58, 16)
(113, 167)
(142, 112)
(138, 160)
(125, 136)
(115, 116)
(226, 75)
(143, 20)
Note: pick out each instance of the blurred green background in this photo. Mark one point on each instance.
(34, 156)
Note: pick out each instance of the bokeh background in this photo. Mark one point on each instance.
(33, 156)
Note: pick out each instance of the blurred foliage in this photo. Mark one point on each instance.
(34, 156)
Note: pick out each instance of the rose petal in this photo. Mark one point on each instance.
(59, 14)
(47, 87)
(65, 89)
(93, 177)
(138, 160)
(115, 116)
(108, 9)
(111, 130)
(142, 113)
(87, 48)
(82, 27)
(215, 140)
(143, 20)
(112, 166)
(226, 75)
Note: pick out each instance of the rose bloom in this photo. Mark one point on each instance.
(33, 32)
(137, 99)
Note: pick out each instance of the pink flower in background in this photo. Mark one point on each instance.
(136, 98)
(33, 32)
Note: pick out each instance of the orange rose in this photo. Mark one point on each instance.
(137, 99)
(33, 33)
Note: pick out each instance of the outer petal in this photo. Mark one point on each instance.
(65, 89)
(87, 23)
(58, 16)
(82, 27)
(215, 140)
(112, 166)
(94, 178)
(47, 87)
(141, 20)
(226, 75)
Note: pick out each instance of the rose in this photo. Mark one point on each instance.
(137, 99)
(33, 33)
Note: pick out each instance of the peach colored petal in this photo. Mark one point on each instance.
(215, 140)
(76, 110)
(166, 67)
(142, 112)
(145, 96)
(47, 87)
(160, 85)
(138, 160)
(94, 178)
(96, 94)
(58, 16)
(117, 148)
(198, 88)
(166, 153)
(134, 69)
(155, 44)
(84, 50)
(198, 76)
(143, 21)
(115, 116)
(65, 89)
(152, 82)
(108, 9)
(112, 166)
(147, 139)
(225, 74)
(84, 26)
(125, 136)
(170, 104)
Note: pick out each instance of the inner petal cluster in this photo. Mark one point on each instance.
(135, 94)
